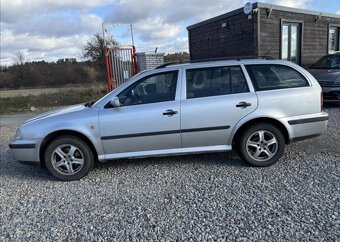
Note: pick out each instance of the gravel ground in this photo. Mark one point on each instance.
(193, 198)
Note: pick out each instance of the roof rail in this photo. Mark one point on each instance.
(216, 59)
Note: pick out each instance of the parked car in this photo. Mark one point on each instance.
(327, 72)
(255, 107)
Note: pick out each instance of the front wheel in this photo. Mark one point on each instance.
(261, 145)
(68, 158)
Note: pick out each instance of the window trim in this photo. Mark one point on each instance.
(254, 82)
(214, 67)
(328, 40)
(301, 27)
(177, 71)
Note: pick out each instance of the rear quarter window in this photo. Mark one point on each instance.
(271, 77)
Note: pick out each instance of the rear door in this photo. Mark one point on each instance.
(214, 99)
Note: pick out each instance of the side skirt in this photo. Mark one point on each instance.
(178, 151)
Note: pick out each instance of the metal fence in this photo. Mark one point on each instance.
(121, 64)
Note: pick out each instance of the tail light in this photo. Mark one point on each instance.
(321, 101)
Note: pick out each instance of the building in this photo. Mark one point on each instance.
(301, 36)
(150, 60)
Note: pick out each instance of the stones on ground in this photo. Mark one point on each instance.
(186, 198)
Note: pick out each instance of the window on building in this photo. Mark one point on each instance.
(270, 77)
(291, 42)
(334, 39)
(159, 87)
(205, 82)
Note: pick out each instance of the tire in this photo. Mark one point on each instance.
(68, 158)
(257, 153)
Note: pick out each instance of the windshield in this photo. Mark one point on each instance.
(328, 62)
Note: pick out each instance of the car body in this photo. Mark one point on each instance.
(246, 105)
(327, 72)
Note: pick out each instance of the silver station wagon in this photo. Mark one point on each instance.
(253, 106)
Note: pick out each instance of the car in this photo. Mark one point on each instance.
(253, 106)
(327, 72)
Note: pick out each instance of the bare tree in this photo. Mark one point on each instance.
(94, 49)
(20, 57)
(19, 61)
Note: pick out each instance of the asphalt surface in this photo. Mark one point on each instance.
(210, 197)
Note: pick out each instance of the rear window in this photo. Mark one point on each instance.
(270, 77)
(215, 81)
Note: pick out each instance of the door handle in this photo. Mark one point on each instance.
(243, 105)
(170, 112)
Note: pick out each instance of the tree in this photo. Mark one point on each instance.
(177, 57)
(20, 57)
(94, 49)
(19, 61)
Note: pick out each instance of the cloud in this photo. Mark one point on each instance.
(157, 29)
(16, 10)
(131, 11)
(38, 47)
(291, 3)
(338, 12)
(56, 24)
(53, 29)
(162, 20)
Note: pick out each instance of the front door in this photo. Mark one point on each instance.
(148, 118)
(216, 99)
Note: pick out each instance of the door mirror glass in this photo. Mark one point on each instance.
(115, 102)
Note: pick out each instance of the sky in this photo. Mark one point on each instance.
(54, 29)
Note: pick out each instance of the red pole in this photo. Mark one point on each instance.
(108, 68)
(134, 60)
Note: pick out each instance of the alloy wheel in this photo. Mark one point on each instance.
(67, 159)
(262, 145)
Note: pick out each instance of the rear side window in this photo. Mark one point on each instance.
(270, 77)
(205, 82)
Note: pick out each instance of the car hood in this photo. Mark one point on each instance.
(57, 112)
(325, 74)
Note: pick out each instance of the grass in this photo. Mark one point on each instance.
(40, 98)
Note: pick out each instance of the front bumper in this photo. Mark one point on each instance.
(26, 151)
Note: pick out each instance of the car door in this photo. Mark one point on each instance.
(148, 118)
(214, 100)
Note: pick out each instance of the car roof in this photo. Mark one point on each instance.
(221, 62)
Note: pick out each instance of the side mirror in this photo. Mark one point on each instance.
(115, 102)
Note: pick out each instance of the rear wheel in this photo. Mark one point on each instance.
(68, 158)
(261, 145)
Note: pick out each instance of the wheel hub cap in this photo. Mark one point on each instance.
(67, 159)
(262, 145)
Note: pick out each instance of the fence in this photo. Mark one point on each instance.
(121, 64)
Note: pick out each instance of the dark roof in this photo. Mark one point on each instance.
(262, 5)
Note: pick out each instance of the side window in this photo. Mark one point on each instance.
(159, 87)
(205, 82)
(270, 77)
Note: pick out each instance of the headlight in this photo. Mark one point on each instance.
(18, 134)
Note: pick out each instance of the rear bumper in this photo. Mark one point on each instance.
(26, 151)
(306, 126)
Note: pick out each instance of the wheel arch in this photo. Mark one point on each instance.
(251, 122)
(50, 137)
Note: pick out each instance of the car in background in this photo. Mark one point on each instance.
(327, 72)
